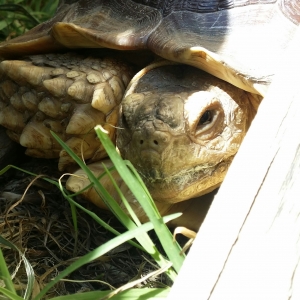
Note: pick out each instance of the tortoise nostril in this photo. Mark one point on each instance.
(146, 140)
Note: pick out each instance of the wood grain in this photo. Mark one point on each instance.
(248, 246)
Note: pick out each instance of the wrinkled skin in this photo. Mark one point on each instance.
(181, 127)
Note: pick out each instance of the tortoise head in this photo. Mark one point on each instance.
(181, 127)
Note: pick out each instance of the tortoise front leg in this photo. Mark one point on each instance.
(193, 210)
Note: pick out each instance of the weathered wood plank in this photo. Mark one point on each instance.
(248, 246)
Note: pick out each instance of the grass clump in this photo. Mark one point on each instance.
(134, 229)
(18, 16)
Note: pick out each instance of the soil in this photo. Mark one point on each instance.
(37, 219)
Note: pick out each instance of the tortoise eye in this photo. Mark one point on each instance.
(210, 123)
(206, 118)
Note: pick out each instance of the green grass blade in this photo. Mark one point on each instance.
(141, 294)
(101, 250)
(172, 249)
(96, 218)
(72, 202)
(75, 224)
(143, 239)
(124, 200)
(3, 24)
(5, 274)
(109, 201)
(10, 294)
(4, 170)
(19, 9)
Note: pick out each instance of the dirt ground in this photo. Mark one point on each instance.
(40, 225)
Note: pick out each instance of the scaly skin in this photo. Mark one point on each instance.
(181, 127)
(68, 94)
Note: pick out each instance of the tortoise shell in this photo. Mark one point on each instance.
(238, 41)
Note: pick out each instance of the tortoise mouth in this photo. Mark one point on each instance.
(188, 183)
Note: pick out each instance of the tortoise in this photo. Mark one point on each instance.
(181, 80)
